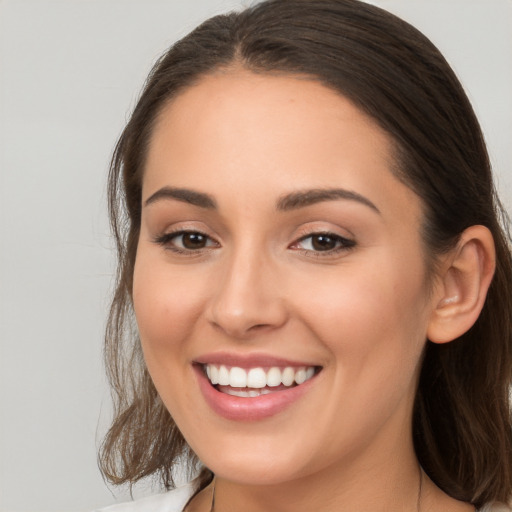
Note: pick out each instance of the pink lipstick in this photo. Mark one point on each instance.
(252, 387)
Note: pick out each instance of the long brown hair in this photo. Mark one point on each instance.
(461, 422)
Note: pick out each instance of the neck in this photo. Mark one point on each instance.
(368, 484)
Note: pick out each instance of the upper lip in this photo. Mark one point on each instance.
(249, 360)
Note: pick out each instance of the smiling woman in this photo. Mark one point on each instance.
(320, 282)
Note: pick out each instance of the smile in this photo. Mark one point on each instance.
(252, 388)
(254, 382)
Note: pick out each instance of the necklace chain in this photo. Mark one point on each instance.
(418, 502)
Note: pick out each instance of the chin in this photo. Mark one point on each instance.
(256, 471)
(254, 460)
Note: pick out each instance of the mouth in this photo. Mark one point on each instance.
(257, 381)
(252, 388)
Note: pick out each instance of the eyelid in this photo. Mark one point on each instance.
(344, 243)
(165, 240)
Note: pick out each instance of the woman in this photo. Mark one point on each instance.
(314, 259)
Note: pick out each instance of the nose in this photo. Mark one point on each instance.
(248, 297)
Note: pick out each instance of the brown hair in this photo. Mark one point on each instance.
(461, 424)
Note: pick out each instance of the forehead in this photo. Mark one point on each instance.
(267, 110)
(268, 134)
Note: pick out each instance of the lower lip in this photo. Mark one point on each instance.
(256, 408)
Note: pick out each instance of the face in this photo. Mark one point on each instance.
(280, 281)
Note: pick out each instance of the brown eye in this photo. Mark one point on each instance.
(329, 243)
(193, 240)
(323, 242)
(186, 241)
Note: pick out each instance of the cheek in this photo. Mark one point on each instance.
(373, 324)
(167, 304)
(372, 318)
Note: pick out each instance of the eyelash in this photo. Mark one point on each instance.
(343, 244)
(166, 240)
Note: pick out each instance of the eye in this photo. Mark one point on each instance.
(186, 241)
(323, 243)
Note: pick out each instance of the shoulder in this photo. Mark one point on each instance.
(172, 501)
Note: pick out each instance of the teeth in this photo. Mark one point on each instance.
(223, 376)
(247, 394)
(274, 377)
(213, 374)
(238, 378)
(256, 378)
(300, 376)
(288, 377)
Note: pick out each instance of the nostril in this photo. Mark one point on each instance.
(258, 327)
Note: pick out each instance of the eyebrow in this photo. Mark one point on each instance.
(304, 198)
(291, 201)
(184, 195)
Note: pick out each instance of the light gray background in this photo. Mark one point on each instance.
(70, 71)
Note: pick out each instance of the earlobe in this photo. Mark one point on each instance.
(462, 286)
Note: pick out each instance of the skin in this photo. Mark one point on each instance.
(362, 313)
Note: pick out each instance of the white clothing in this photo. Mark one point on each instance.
(172, 501)
(175, 501)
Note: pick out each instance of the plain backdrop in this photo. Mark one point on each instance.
(70, 72)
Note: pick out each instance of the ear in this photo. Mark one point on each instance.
(462, 285)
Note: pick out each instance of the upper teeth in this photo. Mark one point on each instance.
(257, 377)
